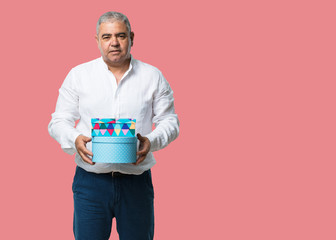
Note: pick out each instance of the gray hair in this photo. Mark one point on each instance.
(111, 17)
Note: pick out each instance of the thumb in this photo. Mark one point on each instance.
(141, 138)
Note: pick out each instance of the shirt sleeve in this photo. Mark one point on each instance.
(62, 125)
(164, 117)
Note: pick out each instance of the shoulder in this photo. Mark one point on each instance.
(87, 66)
(83, 72)
(152, 75)
(145, 68)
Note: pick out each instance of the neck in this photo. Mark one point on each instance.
(118, 68)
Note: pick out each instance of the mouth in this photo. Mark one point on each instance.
(115, 51)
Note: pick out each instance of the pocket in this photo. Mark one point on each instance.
(76, 178)
(150, 182)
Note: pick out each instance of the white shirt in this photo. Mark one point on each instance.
(90, 91)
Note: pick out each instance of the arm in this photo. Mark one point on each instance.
(165, 120)
(62, 125)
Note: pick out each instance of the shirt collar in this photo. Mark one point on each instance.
(129, 68)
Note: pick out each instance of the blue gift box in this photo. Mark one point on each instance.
(114, 149)
(111, 127)
(113, 140)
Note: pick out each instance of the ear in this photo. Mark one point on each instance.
(132, 38)
(97, 39)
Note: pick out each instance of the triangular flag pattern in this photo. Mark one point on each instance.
(125, 131)
(117, 131)
(132, 131)
(111, 127)
(96, 131)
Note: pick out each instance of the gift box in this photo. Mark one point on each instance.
(110, 127)
(113, 140)
(114, 149)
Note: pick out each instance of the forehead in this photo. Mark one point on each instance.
(112, 27)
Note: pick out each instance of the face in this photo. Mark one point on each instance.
(114, 43)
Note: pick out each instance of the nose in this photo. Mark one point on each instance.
(114, 41)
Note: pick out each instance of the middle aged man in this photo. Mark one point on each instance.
(115, 85)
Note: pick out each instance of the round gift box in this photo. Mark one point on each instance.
(114, 149)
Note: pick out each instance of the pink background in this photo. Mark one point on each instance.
(254, 84)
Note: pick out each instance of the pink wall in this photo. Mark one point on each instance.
(254, 84)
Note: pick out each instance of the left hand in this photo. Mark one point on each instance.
(144, 148)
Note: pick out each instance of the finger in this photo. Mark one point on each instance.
(140, 159)
(143, 149)
(84, 150)
(87, 139)
(142, 152)
(84, 154)
(87, 152)
(141, 138)
(86, 159)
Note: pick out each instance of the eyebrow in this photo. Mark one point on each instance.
(109, 34)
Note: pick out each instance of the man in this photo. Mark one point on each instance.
(119, 86)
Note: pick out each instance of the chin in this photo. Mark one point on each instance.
(114, 60)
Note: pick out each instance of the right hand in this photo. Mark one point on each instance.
(80, 144)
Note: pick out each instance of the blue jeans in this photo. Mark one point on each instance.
(98, 198)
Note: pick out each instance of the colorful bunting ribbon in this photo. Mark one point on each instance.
(111, 127)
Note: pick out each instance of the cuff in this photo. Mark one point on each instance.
(151, 138)
(70, 147)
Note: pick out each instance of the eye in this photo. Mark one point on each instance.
(106, 37)
(122, 36)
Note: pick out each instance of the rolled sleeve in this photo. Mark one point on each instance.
(166, 121)
(62, 125)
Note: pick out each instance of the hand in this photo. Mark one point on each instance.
(144, 148)
(80, 143)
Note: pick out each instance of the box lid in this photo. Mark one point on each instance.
(104, 127)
